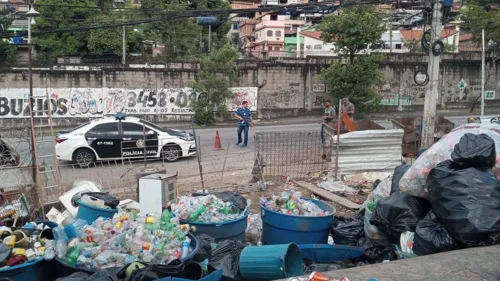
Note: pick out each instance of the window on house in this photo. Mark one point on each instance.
(235, 26)
(288, 28)
(277, 33)
(269, 33)
(277, 48)
(398, 46)
(318, 47)
(274, 17)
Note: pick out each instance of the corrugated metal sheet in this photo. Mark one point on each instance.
(369, 151)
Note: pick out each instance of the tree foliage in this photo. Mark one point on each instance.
(217, 73)
(357, 81)
(8, 52)
(353, 30)
(475, 18)
(183, 37)
(99, 41)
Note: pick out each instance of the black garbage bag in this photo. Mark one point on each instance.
(396, 177)
(153, 272)
(227, 256)
(347, 231)
(431, 237)
(205, 250)
(398, 213)
(108, 274)
(466, 201)
(109, 200)
(465, 194)
(475, 151)
(77, 276)
(375, 253)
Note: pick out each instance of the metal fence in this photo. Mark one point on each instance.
(297, 155)
(226, 169)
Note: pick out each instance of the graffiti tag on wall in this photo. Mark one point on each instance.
(94, 102)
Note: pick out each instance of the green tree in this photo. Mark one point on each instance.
(217, 73)
(181, 35)
(354, 30)
(476, 18)
(358, 81)
(8, 52)
(55, 14)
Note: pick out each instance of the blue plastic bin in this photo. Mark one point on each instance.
(229, 230)
(35, 270)
(321, 253)
(90, 213)
(64, 269)
(270, 262)
(279, 228)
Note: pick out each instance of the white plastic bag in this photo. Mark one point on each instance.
(413, 181)
(382, 190)
(254, 229)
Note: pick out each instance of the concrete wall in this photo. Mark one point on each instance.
(287, 87)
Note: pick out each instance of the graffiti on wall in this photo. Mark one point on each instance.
(286, 97)
(94, 102)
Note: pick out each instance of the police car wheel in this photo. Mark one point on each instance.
(84, 157)
(171, 152)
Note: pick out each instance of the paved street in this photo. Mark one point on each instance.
(230, 166)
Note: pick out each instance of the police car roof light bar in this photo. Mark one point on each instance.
(121, 116)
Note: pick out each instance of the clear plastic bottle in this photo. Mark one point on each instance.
(146, 256)
(104, 257)
(50, 250)
(92, 252)
(184, 249)
(61, 248)
(117, 247)
(83, 261)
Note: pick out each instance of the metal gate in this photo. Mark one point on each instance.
(298, 155)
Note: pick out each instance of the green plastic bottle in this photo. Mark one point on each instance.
(196, 214)
(165, 220)
(372, 205)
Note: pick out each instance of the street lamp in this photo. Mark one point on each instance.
(31, 14)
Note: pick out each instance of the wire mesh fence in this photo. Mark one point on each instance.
(226, 169)
(297, 155)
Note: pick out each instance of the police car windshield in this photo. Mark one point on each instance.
(156, 127)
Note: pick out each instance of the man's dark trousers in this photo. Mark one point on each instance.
(241, 128)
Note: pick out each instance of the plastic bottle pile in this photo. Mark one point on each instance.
(124, 239)
(205, 209)
(292, 204)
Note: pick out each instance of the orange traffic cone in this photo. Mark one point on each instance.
(217, 145)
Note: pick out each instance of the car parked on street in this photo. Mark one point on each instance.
(122, 137)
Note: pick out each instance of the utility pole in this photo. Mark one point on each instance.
(431, 93)
(124, 44)
(482, 72)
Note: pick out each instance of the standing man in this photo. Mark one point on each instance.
(348, 108)
(328, 116)
(245, 120)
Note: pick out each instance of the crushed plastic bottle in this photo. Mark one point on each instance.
(50, 250)
(292, 204)
(205, 209)
(61, 248)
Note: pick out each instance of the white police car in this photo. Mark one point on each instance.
(122, 137)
